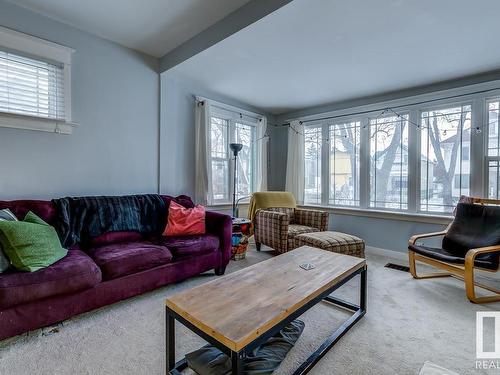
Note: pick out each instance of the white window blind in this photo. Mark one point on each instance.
(35, 83)
(31, 87)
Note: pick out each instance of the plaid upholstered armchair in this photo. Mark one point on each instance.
(276, 227)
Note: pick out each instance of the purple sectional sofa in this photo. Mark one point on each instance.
(116, 266)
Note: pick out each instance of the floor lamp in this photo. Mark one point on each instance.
(235, 148)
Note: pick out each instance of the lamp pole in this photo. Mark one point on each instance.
(235, 147)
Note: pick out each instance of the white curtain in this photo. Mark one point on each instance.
(295, 161)
(262, 146)
(203, 171)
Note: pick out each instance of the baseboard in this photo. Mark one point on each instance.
(403, 259)
(398, 255)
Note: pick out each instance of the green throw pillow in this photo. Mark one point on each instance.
(5, 215)
(31, 244)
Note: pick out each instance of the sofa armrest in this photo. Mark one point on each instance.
(312, 218)
(222, 226)
(271, 229)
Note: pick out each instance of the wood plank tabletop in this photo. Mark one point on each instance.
(237, 308)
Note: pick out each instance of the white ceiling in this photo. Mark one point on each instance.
(314, 52)
(154, 27)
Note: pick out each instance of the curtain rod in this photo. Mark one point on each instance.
(392, 107)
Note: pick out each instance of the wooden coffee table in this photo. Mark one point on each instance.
(242, 310)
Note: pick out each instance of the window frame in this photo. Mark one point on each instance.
(329, 126)
(487, 158)
(369, 164)
(477, 96)
(46, 51)
(234, 117)
(437, 107)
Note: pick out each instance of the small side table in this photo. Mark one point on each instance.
(239, 240)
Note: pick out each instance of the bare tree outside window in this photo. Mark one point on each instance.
(389, 162)
(445, 142)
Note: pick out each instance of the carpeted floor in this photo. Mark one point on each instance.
(408, 323)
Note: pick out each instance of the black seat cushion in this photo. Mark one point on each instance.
(482, 261)
(474, 226)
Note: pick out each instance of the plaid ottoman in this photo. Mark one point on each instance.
(333, 241)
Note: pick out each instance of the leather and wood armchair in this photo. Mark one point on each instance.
(276, 227)
(471, 242)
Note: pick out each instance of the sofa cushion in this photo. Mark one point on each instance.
(190, 245)
(115, 237)
(74, 272)
(126, 258)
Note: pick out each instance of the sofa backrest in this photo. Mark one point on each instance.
(44, 209)
(183, 200)
(47, 211)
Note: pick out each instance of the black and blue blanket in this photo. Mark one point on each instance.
(82, 218)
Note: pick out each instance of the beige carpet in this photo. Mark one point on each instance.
(408, 323)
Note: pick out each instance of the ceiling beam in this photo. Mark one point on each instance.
(249, 13)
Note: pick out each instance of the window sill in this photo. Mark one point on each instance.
(386, 215)
(35, 123)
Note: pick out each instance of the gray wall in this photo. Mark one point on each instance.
(387, 234)
(177, 139)
(115, 94)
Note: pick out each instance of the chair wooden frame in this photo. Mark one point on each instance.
(463, 272)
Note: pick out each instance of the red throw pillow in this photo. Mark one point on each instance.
(183, 221)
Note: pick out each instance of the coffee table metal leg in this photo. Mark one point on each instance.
(170, 339)
(362, 291)
(359, 312)
(237, 363)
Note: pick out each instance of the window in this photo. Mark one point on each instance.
(31, 87)
(312, 154)
(344, 164)
(219, 132)
(230, 127)
(445, 159)
(415, 158)
(245, 134)
(461, 180)
(493, 153)
(34, 83)
(389, 162)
